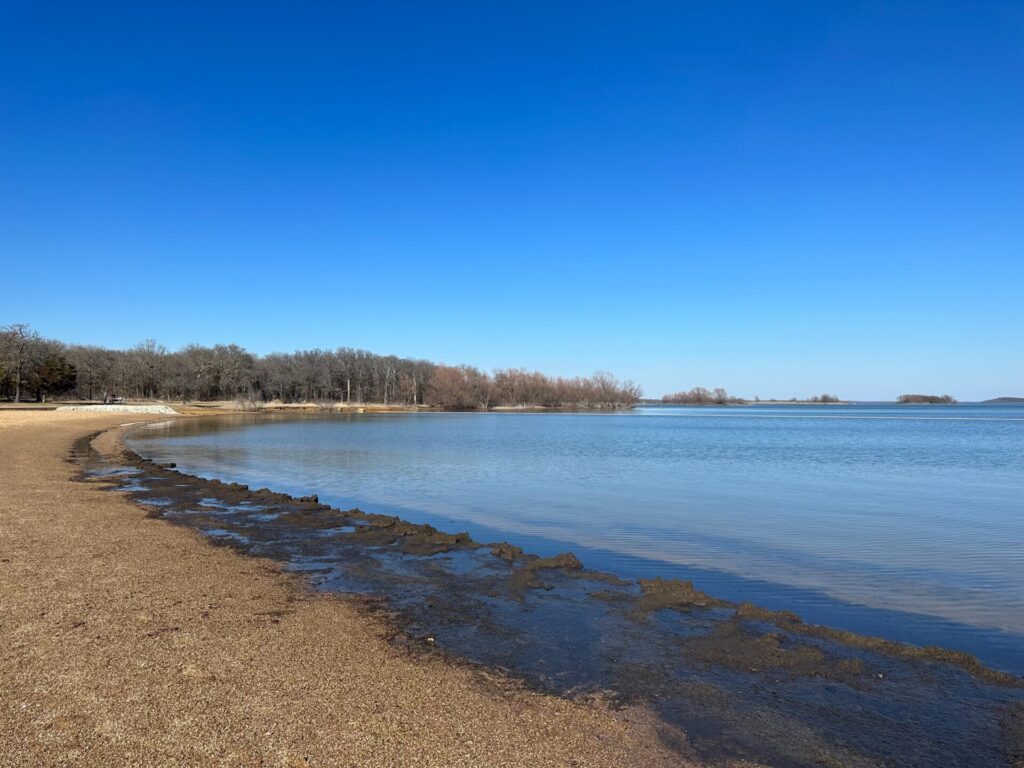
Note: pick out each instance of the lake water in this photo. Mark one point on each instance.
(905, 522)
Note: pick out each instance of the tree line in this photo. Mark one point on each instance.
(702, 396)
(718, 396)
(32, 367)
(932, 399)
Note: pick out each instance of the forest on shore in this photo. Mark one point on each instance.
(36, 368)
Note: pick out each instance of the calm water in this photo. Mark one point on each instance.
(905, 522)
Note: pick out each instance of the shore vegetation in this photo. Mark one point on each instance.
(702, 396)
(34, 368)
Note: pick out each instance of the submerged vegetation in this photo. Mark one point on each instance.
(32, 367)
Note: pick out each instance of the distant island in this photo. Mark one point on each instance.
(719, 396)
(1003, 400)
(926, 399)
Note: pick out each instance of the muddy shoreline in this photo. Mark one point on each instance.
(127, 641)
(708, 666)
(655, 594)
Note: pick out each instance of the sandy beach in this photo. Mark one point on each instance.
(128, 641)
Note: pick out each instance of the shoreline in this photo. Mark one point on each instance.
(643, 731)
(126, 640)
(654, 631)
(419, 538)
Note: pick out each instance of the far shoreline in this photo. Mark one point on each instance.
(215, 407)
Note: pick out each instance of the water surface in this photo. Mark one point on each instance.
(900, 521)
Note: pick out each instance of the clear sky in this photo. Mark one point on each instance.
(777, 198)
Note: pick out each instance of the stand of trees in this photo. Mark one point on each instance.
(933, 399)
(30, 364)
(33, 368)
(718, 396)
(702, 396)
(465, 387)
(826, 398)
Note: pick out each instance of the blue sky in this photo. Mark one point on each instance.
(777, 198)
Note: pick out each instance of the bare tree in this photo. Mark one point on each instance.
(702, 396)
(229, 372)
(20, 346)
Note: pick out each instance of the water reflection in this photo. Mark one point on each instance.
(847, 515)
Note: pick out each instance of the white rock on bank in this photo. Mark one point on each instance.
(120, 408)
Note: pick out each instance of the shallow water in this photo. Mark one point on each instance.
(740, 682)
(900, 521)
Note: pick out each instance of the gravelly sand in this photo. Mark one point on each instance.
(127, 641)
(165, 409)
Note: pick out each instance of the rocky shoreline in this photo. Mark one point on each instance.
(704, 664)
(127, 641)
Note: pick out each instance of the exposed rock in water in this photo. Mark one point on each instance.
(411, 538)
(793, 623)
(733, 646)
(566, 560)
(527, 577)
(659, 593)
(506, 551)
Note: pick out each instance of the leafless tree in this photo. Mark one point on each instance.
(229, 372)
(20, 346)
(702, 396)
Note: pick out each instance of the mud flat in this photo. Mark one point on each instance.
(124, 640)
(744, 684)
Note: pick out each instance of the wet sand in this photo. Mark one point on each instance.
(125, 640)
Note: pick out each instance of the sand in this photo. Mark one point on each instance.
(164, 409)
(125, 640)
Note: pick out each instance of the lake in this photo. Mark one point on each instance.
(905, 522)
